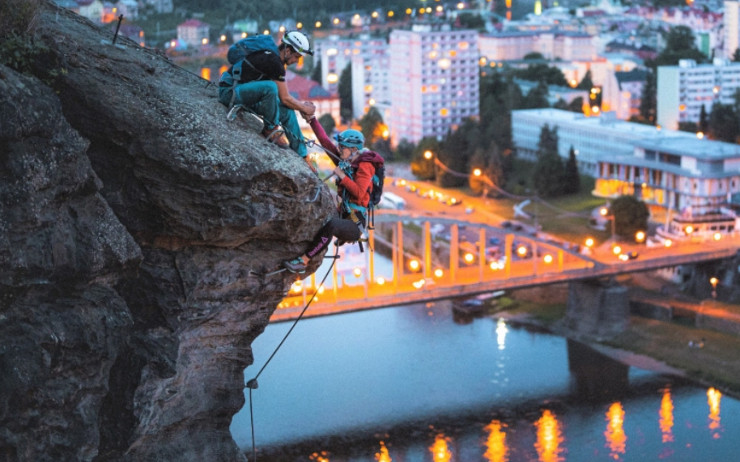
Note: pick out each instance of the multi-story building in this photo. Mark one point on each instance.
(370, 85)
(592, 138)
(691, 175)
(510, 45)
(732, 27)
(434, 74)
(682, 90)
(669, 168)
(193, 32)
(336, 53)
(629, 97)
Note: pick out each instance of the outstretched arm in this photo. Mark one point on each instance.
(304, 107)
(324, 139)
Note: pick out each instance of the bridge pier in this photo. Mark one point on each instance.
(597, 308)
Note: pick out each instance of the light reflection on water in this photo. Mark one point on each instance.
(409, 384)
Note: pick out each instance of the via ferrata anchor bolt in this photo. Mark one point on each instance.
(252, 384)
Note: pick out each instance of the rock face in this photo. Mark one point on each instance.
(131, 214)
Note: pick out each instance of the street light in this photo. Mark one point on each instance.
(714, 281)
(604, 212)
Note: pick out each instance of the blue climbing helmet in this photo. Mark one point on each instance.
(351, 138)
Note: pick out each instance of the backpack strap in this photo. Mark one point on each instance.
(236, 75)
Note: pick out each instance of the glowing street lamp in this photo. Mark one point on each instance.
(589, 242)
(640, 236)
(428, 155)
(714, 281)
(604, 212)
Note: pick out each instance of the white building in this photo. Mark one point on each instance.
(687, 174)
(593, 138)
(511, 45)
(370, 82)
(434, 75)
(336, 54)
(732, 27)
(682, 90)
(193, 32)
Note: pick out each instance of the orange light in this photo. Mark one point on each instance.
(428, 155)
(714, 281)
(548, 259)
(640, 236)
(521, 251)
(617, 250)
(589, 242)
(357, 272)
(604, 211)
(668, 243)
(615, 436)
(666, 416)
(440, 450)
(380, 280)
(496, 449)
(713, 399)
(438, 273)
(689, 229)
(477, 172)
(717, 236)
(414, 265)
(382, 455)
(469, 258)
(549, 438)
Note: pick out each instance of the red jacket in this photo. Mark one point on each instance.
(360, 186)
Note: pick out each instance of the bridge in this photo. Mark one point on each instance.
(432, 267)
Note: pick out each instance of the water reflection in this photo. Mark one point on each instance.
(496, 450)
(616, 438)
(440, 450)
(549, 438)
(666, 416)
(322, 456)
(713, 398)
(481, 400)
(382, 455)
(501, 332)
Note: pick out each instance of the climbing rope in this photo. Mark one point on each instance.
(252, 383)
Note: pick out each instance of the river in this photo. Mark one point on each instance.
(413, 383)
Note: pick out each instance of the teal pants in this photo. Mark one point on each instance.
(261, 97)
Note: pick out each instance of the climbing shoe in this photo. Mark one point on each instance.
(276, 136)
(295, 266)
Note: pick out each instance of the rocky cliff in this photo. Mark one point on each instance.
(131, 214)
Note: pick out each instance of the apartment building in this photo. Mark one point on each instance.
(434, 74)
(682, 90)
(512, 45)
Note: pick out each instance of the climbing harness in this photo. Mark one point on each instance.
(252, 383)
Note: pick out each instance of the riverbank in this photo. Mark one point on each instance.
(706, 356)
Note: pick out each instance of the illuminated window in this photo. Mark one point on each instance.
(443, 112)
(332, 78)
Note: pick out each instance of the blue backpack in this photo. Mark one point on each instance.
(239, 51)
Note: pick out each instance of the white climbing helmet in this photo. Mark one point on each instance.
(299, 42)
